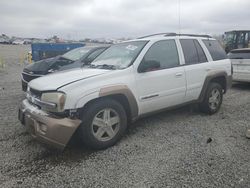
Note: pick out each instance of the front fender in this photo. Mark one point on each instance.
(109, 91)
(86, 98)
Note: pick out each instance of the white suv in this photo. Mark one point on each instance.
(129, 80)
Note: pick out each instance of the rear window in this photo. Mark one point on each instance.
(215, 49)
(238, 55)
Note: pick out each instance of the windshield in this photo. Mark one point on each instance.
(76, 54)
(119, 56)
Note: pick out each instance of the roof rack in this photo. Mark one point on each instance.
(164, 34)
(175, 34)
(189, 35)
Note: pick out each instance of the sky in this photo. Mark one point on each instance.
(81, 19)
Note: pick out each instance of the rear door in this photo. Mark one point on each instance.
(196, 67)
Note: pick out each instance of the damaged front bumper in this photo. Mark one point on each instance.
(49, 129)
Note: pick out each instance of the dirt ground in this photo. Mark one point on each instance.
(180, 148)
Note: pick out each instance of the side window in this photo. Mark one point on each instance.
(215, 49)
(94, 54)
(190, 52)
(162, 54)
(248, 43)
(241, 38)
(246, 38)
(201, 55)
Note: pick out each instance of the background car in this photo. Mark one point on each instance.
(240, 59)
(72, 59)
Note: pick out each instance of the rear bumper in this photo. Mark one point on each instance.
(50, 130)
(241, 77)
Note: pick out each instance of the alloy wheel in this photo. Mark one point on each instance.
(214, 99)
(105, 124)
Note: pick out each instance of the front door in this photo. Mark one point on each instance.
(161, 83)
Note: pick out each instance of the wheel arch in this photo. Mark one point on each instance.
(120, 93)
(219, 77)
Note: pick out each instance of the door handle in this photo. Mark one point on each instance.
(208, 69)
(178, 74)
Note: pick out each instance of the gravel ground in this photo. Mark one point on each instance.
(180, 148)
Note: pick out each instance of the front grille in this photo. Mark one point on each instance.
(24, 86)
(29, 77)
(35, 93)
(32, 95)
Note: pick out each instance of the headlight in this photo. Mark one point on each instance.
(53, 101)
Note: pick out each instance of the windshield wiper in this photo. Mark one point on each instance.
(104, 66)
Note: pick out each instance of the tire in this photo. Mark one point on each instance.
(103, 124)
(248, 133)
(211, 104)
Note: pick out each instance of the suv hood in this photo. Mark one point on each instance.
(60, 79)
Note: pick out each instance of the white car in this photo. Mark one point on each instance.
(128, 81)
(18, 42)
(240, 59)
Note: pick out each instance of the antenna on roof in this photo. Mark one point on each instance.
(179, 15)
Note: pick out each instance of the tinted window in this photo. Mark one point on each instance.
(215, 49)
(164, 53)
(201, 55)
(190, 52)
(238, 55)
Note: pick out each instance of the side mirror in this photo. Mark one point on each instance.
(147, 66)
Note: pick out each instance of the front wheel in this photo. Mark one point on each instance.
(103, 124)
(213, 99)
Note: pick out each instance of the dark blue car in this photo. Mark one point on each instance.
(72, 59)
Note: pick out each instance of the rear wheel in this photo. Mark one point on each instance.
(213, 99)
(103, 124)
